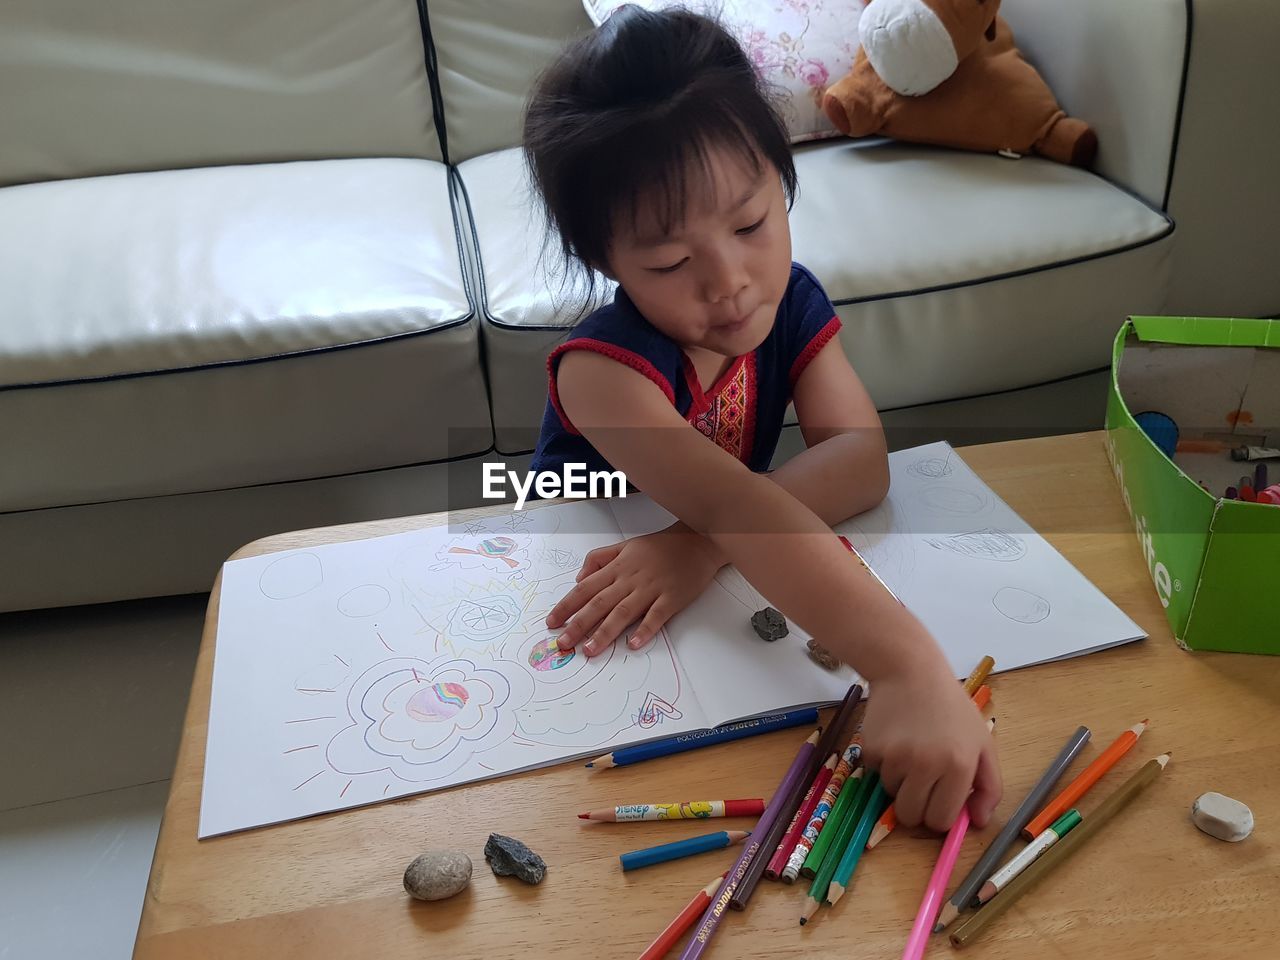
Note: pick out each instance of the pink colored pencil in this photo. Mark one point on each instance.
(933, 893)
(801, 819)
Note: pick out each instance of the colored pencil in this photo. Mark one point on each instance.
(704, 738)
(839, 812)
(866, 566)
(772, 834)
(981, 697)
(821, 812)
(1028, 855)
(937, 887)
(986, 865)
(691, 810)
(831, 859)
(715, 910)
(780, 856)
(663, 943)
(681, 848)
(974, 926)
(979, 675)
(857, 844)
(1081, 785)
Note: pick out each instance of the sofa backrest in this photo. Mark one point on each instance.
(89, 87)
(490, 52)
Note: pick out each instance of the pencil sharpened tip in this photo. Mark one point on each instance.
(584, 816)
(803, 921)
(591, 764)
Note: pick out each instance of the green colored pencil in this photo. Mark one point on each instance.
(822, 879)
(848, 794)
(857, 844)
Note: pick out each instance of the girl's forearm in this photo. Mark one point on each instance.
(791, 557)
(840, 477)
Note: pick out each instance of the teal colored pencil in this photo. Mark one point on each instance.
(822, 879)
(857, 844)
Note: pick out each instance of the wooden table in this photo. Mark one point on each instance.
(331, 886)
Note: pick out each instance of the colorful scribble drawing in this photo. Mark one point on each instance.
(547, 655)
(484, 618)
(654, 710)
(1021, 606)
(423, 720)
(495, 548)
(985, 544)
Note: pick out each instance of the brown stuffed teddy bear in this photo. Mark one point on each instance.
(946, 72)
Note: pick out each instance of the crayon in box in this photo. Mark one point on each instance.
(1214, 563)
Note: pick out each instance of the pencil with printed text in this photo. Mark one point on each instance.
(1081, 785)
(688, 847)
(1029, 854)
(720, 904)
(705, 738)
(986, 865)
(789, 840)
(839, 812)
(831, 859)
(691, 810)
(843, 875)
(772, 834)
(687, 917)
(848, 760)
(887, 823)
(974, 926)
(936, 889)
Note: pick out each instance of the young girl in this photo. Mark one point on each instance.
(663, 166)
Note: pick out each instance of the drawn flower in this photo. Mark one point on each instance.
(423, 720)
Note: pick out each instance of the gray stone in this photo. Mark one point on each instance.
(769, 624)
(822, 656)
(509, 857)
(438, 874)
(1222, 817)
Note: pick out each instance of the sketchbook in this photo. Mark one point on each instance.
(352, 673)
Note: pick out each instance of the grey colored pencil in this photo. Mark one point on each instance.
(1030, 806)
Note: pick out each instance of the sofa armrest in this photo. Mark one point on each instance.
(1119, 66)
(1224, 194)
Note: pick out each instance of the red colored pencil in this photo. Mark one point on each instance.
(779, 861)
(686, 919)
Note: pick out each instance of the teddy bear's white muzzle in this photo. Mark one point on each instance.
(907, 45)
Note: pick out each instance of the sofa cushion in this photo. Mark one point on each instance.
(89, 88)
(201, 329)
(954, 273)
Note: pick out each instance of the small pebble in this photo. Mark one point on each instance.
(769, 624)
(822, 656)
(438, 874)
(1222, 817)
(508, 857)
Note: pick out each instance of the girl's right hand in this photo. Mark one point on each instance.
(932, 748)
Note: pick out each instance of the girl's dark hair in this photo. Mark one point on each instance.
(632, 110)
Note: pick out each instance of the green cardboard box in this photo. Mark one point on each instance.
(1215, 562)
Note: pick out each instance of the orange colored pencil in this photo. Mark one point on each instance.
(687, 917)
(1078, 787)
(889, 820)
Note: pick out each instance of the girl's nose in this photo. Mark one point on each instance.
(725, 278)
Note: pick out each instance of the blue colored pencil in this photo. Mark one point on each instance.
(705, 738)
(681, 848)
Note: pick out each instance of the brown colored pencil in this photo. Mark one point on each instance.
(973, 928)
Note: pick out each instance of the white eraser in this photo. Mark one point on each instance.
(1222, 817)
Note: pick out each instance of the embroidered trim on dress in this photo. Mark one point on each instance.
(614, 352)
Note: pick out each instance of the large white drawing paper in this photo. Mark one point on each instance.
(975, 573)
(351, 673)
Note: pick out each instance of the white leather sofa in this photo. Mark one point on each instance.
(266, 266)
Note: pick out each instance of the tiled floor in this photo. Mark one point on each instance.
(91, 704)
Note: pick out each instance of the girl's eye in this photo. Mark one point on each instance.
(671, 269)
(743, 231)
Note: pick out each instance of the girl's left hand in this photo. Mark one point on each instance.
(647, 579)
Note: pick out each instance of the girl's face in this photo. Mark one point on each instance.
(716, 280)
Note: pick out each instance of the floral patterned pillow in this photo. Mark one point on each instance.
(799, 47)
